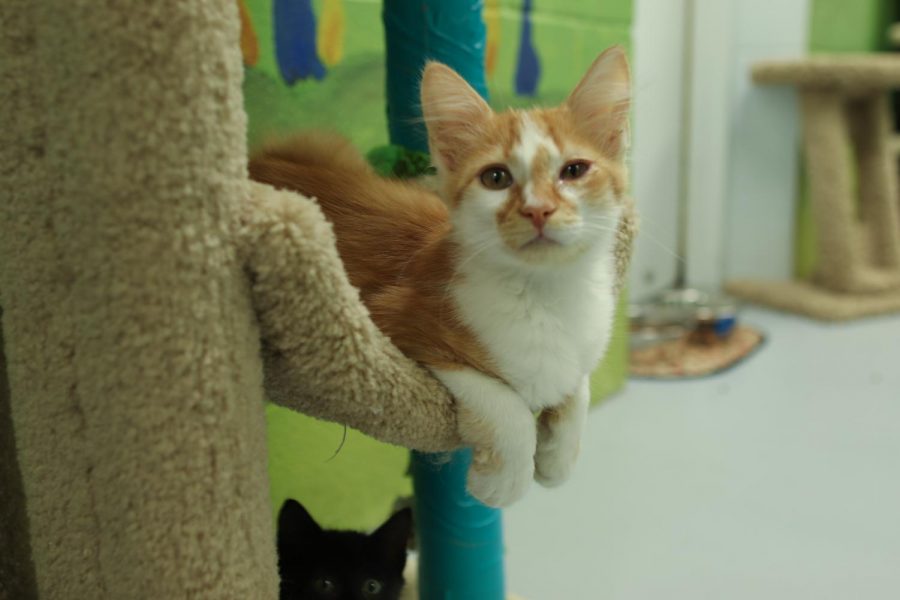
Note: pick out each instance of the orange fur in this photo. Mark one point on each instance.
(393, 239)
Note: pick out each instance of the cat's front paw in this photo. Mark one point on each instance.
(496, 423)
(499, 481)
(553, 469)
(555, 457)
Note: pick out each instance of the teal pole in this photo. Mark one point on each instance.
(449, 31)
(460, 540)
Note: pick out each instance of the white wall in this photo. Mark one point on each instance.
(658, 39)
(733, 150)
(742, 179)
(764, 143)
(706, 167)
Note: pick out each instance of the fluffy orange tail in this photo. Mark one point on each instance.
(392, 237)
(380, 223)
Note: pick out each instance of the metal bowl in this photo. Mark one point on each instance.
(674, 313)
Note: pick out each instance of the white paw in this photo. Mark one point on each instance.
(494, 421)
(501, 482)
(555, 457)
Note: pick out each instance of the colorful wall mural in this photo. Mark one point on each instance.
(319, 63)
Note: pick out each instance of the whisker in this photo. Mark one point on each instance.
(644, 234)
(481, 248)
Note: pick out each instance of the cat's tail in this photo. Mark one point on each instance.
(379, 222)
(283, 162)
(328, 168)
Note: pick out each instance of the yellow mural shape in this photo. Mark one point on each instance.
(492, 22)
(249, 43)
(330, 37)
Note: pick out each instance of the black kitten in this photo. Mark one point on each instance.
(319, 564)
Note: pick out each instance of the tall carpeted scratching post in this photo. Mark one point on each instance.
(845, 107)
(147, 289)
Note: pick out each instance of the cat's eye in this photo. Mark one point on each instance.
(574, 169)
(496, 178)
(325, 586)
(372, 588)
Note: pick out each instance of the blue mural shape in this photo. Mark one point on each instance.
(528, 65)
(295, 40)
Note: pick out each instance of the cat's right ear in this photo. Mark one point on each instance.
(454, 114)
(295, 525)
(393, 536)
(601, 102)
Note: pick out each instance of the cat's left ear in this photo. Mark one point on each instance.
(296, 527)
(601, 101)
(393, 536)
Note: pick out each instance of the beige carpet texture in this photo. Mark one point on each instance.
(152, 300)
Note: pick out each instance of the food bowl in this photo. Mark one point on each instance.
(705, 317)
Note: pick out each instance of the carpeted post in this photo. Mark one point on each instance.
(133, 351)
(877, 176)
(825, 142)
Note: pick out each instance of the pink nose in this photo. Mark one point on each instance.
(538, 214)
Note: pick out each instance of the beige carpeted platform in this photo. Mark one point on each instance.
(805, 298)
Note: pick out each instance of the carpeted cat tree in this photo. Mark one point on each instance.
(855, 202)
(152, 299)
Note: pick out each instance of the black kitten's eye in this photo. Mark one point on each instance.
(325, 586)
(574, 169)
(496, 178)
(371, 588)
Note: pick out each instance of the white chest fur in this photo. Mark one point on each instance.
(544, 331)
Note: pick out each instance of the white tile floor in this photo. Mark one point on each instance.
(777, 480)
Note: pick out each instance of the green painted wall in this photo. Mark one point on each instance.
(613, 371)
(837, 26)
(347, 486)
(848, 26)
(569, 36)
(356, 488)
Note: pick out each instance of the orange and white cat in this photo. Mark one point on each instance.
(502, 282)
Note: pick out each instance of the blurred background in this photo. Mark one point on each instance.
(746, 425)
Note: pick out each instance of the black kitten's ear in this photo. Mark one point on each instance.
(295, 525)
(393, 536)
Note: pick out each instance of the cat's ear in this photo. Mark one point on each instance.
(295, 525)
(454, 114)
(392, 537)
(601, 101)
